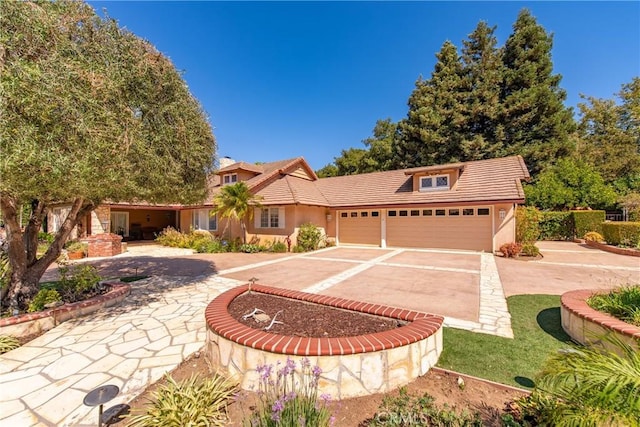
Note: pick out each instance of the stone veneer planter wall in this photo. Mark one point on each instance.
(32, 323)
(353, 366)
(586, 325)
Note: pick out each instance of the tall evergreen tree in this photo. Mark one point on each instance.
(483, 77)
(537, 125)
(432, 131)
(380, 145)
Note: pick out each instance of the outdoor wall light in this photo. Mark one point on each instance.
(503, 213)
(328, 217)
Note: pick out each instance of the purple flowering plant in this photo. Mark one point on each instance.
(291, 398)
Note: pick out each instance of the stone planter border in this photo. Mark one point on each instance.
(587, 326)
(351, 366)
(613, 249)
(32, 323)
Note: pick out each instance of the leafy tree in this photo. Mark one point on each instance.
(570, 184)
(536, 123)
(90, 112)
(610, 137)
(236, 202)
(378, 155)
(432, 132)
(483, 75)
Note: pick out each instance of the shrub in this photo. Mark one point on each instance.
(530, 249)
(555, 225)
(511, 250)
(42, 298)
(286, 402)
(211, 247)
(8, 343)
(622, 233)
(173, 238)
(309, 236)
(592, 236)
(527, 219)
(45, 238)
(586, 221)
(187, 403)
(410, 410)
(622, 303)
(591, 386)
(278, 246)
(77, 280)
(249, 248)
(76, 246)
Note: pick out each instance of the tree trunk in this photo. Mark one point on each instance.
(26, 268)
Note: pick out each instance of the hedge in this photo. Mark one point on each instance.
(556, 225)
(527, 224)
(586, 221)
(621, 233)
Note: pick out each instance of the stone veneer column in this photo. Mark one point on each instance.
(98, 216)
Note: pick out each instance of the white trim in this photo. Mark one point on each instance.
(434, 181)
(383, 228)
(270, 210)
(233, 178)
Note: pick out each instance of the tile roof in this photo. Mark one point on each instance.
(251, 167)
(480, 181)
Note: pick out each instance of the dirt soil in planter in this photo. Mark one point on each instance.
(487, 399)
(305, 319)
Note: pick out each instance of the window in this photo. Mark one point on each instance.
(202, 219)
(354, 214)
(392, 213)
(119, 223)
(230, 178)
(483, 211)
(269, 218)
(403, 213)
(435, 182)
(343, 214)
(440, 212)
(375, 213)
(364, 214)
(467, 212)
(415, 213)
(454, 212)
(427, 212)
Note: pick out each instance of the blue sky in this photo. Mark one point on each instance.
(288, 79)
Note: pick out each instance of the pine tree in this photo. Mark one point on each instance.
(537, 125)
(432, 132)
(483, 77)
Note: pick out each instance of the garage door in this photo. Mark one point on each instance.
(446, 228)
(360, 227)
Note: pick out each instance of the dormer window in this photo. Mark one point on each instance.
(230, 178)
(434, 182)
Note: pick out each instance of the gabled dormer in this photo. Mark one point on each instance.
(238, 171)
(435, 178)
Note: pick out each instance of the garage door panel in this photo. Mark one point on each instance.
(360, 230)
(471, 232)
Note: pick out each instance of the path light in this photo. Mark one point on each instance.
(99, 396)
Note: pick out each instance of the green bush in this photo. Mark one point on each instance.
(42, 298)
(527, 229)
(530, 249)
(45, 237)
(287, 402)
(187, 403)
(278, 247)
(622, 233)
(249, 248)
(556, 225)
(411, 410)
(76, 281)
(8, 343)
(309, 236)
(586, 221)
(76, 246)
(622, 303)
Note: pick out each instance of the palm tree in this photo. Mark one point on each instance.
(236, 202)
(593, 386)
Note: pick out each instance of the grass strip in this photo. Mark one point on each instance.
(538, 333)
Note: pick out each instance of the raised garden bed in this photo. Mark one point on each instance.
(356, 365)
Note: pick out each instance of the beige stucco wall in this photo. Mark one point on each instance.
(294, 216)
(504, 229)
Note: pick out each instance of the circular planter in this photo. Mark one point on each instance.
(352, 366)
(588, 326)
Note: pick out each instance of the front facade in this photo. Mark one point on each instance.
(461, 206)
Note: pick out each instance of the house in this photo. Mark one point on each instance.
(468, 205)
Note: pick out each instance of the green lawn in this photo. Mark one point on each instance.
(536, 326)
